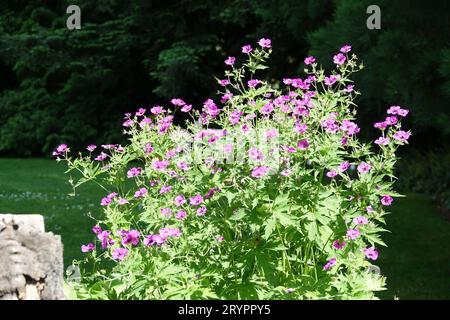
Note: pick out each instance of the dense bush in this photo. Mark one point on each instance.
(267, 195)
(426, 173)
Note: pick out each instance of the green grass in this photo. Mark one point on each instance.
(416, 263)
(417, 260)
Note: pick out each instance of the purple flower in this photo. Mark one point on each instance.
(369, 209)
(131, 236)
(331, 174)
(186, 108)
(160, 165)
(247, 49)
(154, 239)
(255, 154)
(201, 211)
(329, 81)
(120, 253)
(300, 128)
(133, 172)
(196, 200)
(102, 156)
(96, 229)
(142, 192)
(309, 60)
(380, 125)
(350, 127)
(108, 199)
(181, 215)
(127, 123)
(363, 167)
(105, 201)
(329, 264)
(267, 108)
(122, 201)
(259, 172)
(361, 220)
(170, 232)
(88, 247)
(165, 189)
(339, 59)
(272, 133)
(166, 212)
(346, 49)
(349, 88)
(253, 83)
(140, 112)
(371, 253)
(91, 147)
(180, 200)
(303, 144)
(224, 82)
(265, 43)
(105, 239)
(386, 200)
(148, 149)
(402, 136)
(61, 149)
(339, 245)
(182, 166)
(177, 102)
(396, 110)
(382, 141)
(344, 166)
(353, 233)
(392, 120)
(157, 110)
(230, 61)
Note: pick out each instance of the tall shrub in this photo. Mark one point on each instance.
(267, 194)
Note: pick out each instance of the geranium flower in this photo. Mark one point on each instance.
(87, 248)
(230, 61)
(371, 253)
(119, 253)
(352, 234)
(339, 59)
(133, 172)
(265, 43)
(361, 220)
(196, 200)
(364, 167)
(309, 60)
(339, 245)
(329, 264)
(247, 49)
(386, 200)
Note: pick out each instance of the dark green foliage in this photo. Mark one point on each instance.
(427, 173)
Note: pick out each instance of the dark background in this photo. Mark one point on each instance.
(60, 86)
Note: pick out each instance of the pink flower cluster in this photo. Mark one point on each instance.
(162, 236)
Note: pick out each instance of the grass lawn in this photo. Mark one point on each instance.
(416, 263)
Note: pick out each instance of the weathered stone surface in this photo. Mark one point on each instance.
(31, 263)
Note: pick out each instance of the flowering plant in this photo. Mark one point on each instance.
(267, 194)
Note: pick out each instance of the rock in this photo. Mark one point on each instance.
(31, 262)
